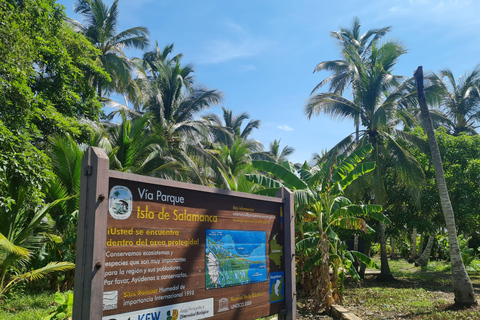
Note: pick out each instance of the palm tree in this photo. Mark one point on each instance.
(460, 109)
(171, 95)
(235, 162)
(101, 30)
(462, 286)
(277, 155)
(230, 129)
(345, 71)
(378, 96)
(274, 153)
(22, 230)
(141, 146)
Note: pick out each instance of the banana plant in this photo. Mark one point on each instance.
(321, 208)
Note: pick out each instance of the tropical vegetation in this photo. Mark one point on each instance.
(376, 188)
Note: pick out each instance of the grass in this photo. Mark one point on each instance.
(22, 306)
(415, 294)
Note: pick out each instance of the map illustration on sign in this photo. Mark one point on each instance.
(235, 257)
(276, 251)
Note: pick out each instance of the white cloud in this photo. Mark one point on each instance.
(236, 44)
(285, 128)
(247, 68)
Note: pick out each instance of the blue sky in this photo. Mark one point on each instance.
(261, 53)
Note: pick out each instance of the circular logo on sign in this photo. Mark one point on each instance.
(120, 202)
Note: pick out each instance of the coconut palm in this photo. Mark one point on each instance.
(462, 285)
(460, 108)
(345, 71)
(174, 101)
(378, 97)
(277, 155)
(171, 95)
(229, 129)
(141, 146)
(101, 30)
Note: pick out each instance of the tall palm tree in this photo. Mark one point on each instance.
(171, 94)
(101, 30)
(462, 285)
(345, 71)
(378, 96)
(176, 100)
(460, 109)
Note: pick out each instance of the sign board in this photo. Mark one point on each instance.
(168, 250)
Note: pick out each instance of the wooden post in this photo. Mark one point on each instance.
(91, 245)
(289, 225)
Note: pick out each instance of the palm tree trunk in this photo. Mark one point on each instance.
(423, 260)
(462, 286)
(420, 246)
(414, 245)
(385, 273)
(392, 244)
(363, 266)
(356, 263)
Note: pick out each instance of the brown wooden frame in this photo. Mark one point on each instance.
(92, 233)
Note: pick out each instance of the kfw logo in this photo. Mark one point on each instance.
(150, 316)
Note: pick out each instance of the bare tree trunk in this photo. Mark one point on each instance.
(392, 244)
(420, 246)
(385, 273)
(462, 285)
(363, 266)
(355, 248)
(423, 260)
(414, 245)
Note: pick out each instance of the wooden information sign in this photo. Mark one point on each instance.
(152, 249)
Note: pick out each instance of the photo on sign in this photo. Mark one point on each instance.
(235, 257)
(120, 202)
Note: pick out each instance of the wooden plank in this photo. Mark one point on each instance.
(289, 247)
(91, 236)
(189, 186)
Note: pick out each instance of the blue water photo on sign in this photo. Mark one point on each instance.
(235, 257)
(277, 287)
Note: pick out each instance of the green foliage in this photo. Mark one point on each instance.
(21, 165)
(322, 210)
(26, 305)
(101, 31)
(44, 89)
(468, 254)
(460, 156)
(44, 71)
(64, 309)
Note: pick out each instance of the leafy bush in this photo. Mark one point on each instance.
(65, 307)
(474, 266)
